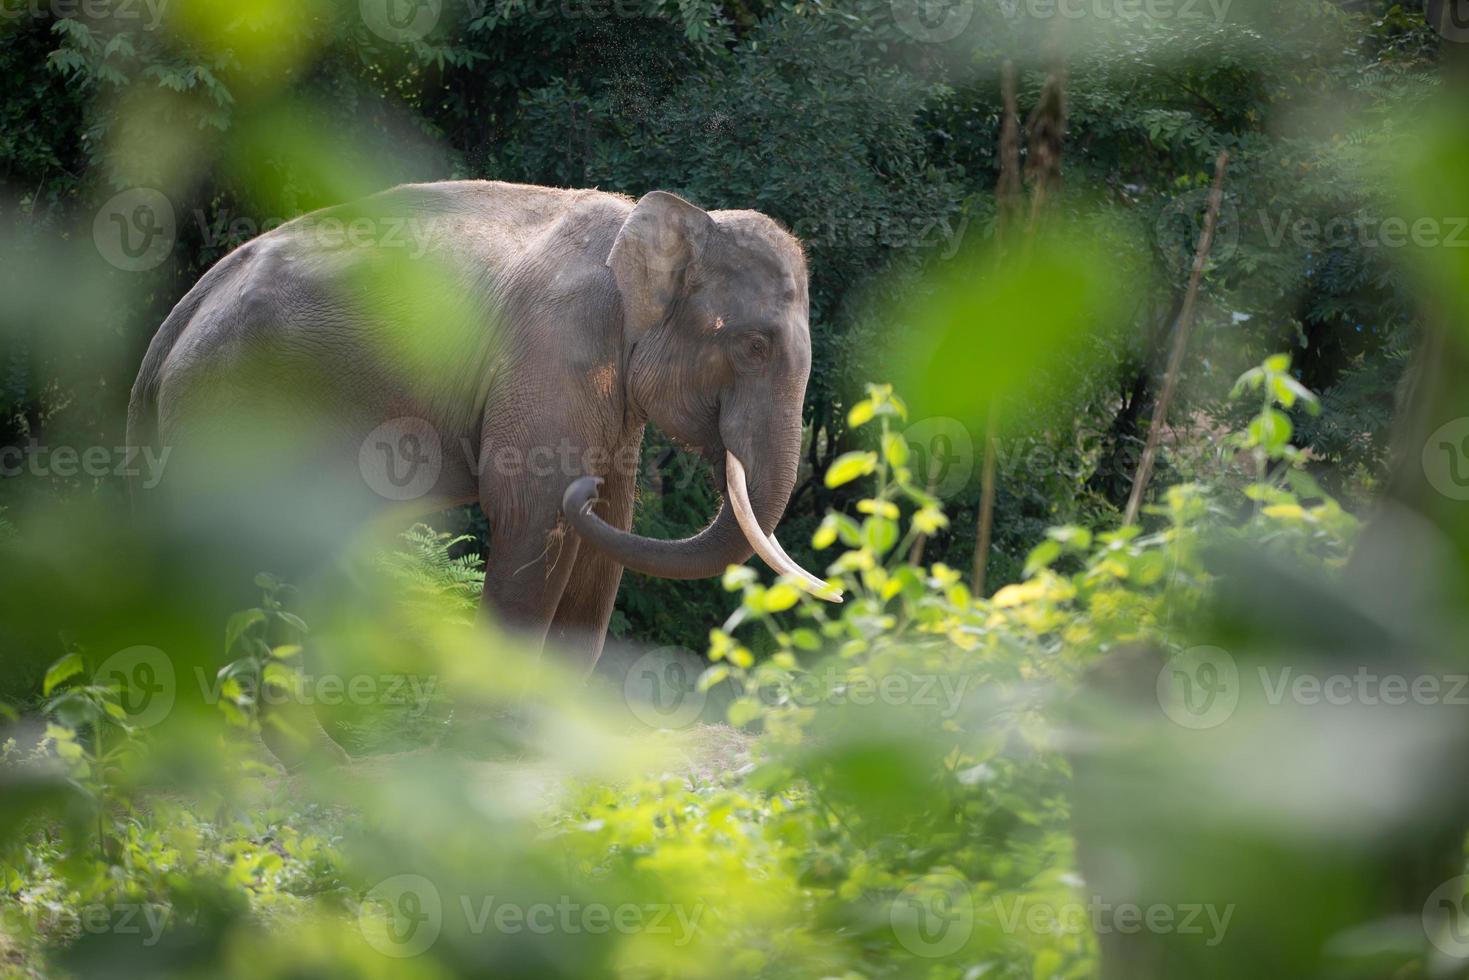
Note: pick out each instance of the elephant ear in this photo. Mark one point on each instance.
(658, 242)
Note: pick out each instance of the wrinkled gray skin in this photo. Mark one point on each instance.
(576, 317)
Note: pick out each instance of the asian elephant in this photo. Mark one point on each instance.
(507, 344)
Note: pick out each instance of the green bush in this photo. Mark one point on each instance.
(904, 806)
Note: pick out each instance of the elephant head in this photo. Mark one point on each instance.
(717, 351)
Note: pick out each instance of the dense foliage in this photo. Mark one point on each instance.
(1224, 739)
(871, 136)
(913, 755)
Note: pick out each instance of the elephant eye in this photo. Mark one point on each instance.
(757, 346)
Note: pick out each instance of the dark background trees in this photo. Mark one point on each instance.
(873, 139)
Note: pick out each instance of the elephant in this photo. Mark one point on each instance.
(511, 342)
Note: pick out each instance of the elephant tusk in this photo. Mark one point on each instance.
(764, 544)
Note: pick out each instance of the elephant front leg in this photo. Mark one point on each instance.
(579, 628)
(530, 557)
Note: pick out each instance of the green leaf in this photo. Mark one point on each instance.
(61, 671)
(879, 534)
(712, 676)
(826, 534)
(1304, 484)
(1041, 556)
(743, 711)
(293, 621)
(895, 449)
(805, 639)
(736, 577)
(850, 466)
(238, 625)
(780, 597)
(277, 674)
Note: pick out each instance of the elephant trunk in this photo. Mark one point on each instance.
(743, 526)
